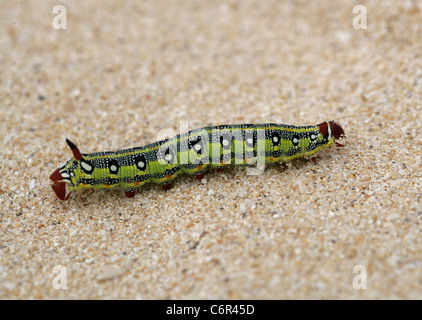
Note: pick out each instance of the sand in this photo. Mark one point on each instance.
(348, 227)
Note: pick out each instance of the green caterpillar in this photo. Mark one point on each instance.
(191, 153)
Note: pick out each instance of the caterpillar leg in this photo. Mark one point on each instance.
(200, 176)
(130, 192)
(284, 167)
(220, 169)
(313, 160)
(166, 186)
(339, 145)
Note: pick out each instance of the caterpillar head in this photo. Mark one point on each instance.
(331, 129)
(66, 177)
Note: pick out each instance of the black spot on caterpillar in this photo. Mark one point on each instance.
(191, 152)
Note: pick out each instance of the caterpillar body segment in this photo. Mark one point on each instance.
(191, 153)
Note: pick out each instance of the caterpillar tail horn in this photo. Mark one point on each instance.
(75, 150)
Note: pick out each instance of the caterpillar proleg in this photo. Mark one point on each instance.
(192, 153)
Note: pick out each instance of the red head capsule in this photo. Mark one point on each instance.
(336, 130)
(60, 187)
(61, 184)
(56, 176)
(331, 128)
(62, 190)
(323, 128)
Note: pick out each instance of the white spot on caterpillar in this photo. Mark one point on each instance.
(249, 141)
(113, 168)
(68, 191)
(225, 142)
(197, 147)
(313, 137)
(86, 166)
(329, 129)
(168, 157)
(295, 141)
(275, 139)
(141, 164)
(65, 175)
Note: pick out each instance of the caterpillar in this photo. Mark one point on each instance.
(191, 152)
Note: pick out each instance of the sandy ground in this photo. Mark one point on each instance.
(123, 71)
